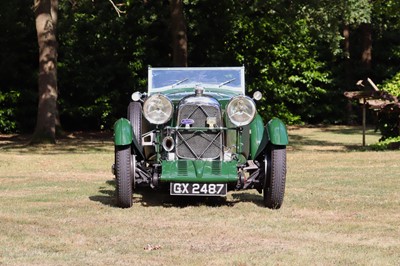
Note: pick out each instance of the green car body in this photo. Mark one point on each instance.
(196, 133)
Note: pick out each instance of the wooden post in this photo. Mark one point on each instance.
(364, 120)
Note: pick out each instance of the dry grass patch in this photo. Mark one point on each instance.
(342, 207)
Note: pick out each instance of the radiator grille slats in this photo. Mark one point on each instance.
(216, 168)
(182, 168)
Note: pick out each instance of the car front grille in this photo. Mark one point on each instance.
(199, 144)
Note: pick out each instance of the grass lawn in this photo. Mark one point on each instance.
(342, 207)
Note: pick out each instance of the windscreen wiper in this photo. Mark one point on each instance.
(179, 82)
(226, 82)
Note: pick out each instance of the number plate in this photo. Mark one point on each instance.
(198, 189)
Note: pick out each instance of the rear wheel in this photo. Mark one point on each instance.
(275, 176)
(125, 165)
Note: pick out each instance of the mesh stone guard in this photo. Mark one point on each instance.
(211, 142)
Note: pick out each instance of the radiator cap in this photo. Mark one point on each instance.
(199, 91)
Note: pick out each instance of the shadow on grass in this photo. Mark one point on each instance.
(156, 198)
(148, 197)
(107, 196)
(329, 138)
(249, 197)
(299, 143)
(101, 141)
(75, 142)
(354, 130)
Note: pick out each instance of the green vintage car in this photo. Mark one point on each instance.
(196, 133)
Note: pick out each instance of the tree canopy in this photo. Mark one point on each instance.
(301, 54)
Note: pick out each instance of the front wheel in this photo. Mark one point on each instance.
(134, 116)
(125, 168)
(275, 176)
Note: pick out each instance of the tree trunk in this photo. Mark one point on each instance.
(47, 116)
(346, 48)
(366, 57)
(348, 72)
(178, 34)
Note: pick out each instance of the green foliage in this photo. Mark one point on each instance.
(386, 39)
(8, 106)
(389, 117)
(387, 144)
(103, 58)
(326, 18)
(280, 56)
(292, 52)
(356, 11)
(389, 121)
(392, 85)
(18, 64)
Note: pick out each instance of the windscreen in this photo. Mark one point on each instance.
(212, 78)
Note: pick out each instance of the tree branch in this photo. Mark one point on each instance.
(119, 11)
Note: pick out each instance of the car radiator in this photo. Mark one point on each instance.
(199, 144)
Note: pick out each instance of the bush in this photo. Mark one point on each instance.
(8, 103)
(392, 85)
(389, 121)
(387, 144)
(389, 116)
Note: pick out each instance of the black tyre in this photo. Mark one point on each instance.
(275, 176)
(135, 117)
(125, 165)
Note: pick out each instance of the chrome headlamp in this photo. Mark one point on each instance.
(157, 109)
(241, 110)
